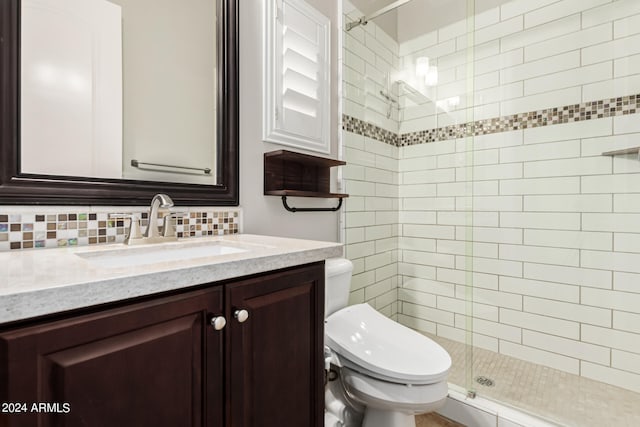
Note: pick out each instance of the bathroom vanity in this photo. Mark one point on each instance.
(233, 339)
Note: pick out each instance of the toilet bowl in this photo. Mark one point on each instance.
(394, 371)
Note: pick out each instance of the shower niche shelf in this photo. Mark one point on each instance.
(287, 173)
(624, 151)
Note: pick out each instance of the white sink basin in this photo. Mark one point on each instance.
(127, 256)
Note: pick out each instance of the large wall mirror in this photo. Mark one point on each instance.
(111, 101)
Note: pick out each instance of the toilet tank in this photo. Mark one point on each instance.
(337, 273)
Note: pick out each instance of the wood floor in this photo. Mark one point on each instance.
(435, 420)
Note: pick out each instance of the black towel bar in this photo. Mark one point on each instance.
(290, 209)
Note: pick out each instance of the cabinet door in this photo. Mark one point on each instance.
(275, 355)
(154, 363)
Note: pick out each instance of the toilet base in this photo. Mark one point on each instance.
(380, 418)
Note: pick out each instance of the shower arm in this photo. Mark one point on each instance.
(363, 20)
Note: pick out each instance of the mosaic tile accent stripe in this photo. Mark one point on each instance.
(49, 230)
(360, 127)
(551, 116)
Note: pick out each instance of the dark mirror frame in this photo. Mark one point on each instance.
(30, 189)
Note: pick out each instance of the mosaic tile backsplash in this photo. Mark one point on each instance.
(69, 227)
(550, 116)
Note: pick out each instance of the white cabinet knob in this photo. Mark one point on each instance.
(218, 322)
(241, 315)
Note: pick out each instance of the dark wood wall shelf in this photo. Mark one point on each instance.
(287, 173)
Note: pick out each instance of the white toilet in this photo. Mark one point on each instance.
(393, 371)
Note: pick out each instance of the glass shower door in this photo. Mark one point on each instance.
(554, 207)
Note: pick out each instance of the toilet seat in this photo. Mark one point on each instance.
(381, 348)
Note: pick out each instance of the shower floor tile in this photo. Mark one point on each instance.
(544, 392)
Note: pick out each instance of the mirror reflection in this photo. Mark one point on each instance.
(119, 89)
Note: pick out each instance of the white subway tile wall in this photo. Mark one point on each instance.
(371, 220)
(511, 207)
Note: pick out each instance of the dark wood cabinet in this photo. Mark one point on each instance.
(275, 356)
(150, 363)
(160, 362)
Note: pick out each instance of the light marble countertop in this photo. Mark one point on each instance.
(45, 281)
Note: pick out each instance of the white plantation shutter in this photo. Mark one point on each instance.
(296, 110)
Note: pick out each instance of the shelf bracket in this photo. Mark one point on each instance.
(290, 209)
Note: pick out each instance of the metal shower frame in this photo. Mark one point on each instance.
(363, 20)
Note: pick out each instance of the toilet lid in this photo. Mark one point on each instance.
(382, 346)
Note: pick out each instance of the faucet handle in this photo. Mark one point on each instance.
(134, 227)
(134, 230)
(167, 229)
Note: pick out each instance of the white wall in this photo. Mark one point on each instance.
(265, 214)
(371, 173)
(371, 63)
(371, 221)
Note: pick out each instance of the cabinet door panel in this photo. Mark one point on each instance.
(144, 364)
(275, 356)
(147, 365)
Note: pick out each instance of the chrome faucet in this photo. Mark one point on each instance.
(159, 201)
(154, 233)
